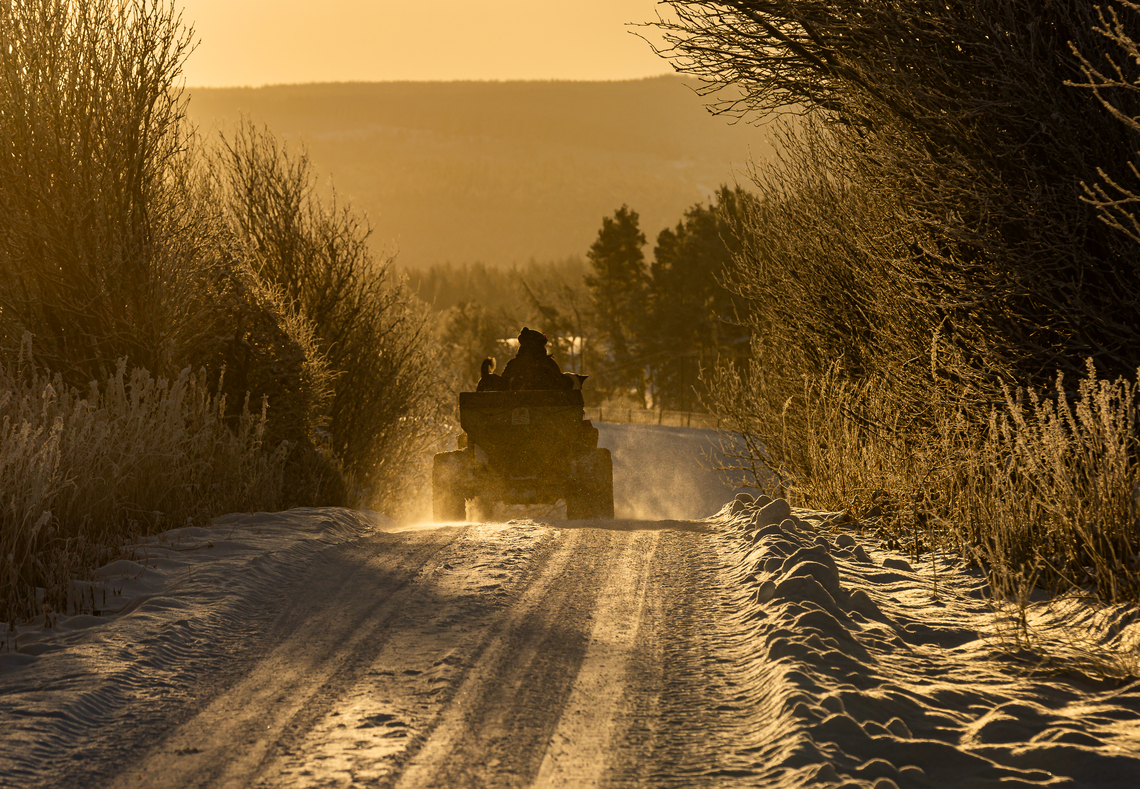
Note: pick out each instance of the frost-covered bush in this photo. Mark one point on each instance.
(112, 245)
(81, 469)
(961, 120)
(383, 389)
(120, 257)
(943, 227)
(263, 349)
(98, 245)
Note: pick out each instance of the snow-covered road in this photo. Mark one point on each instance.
(752, 648)
(467, 655)
(475, 655)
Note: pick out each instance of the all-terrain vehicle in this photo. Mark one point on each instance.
(524, 447)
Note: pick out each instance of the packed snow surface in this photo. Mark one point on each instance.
(696, 640)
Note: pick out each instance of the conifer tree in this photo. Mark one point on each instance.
(619, 288)
(692, 315)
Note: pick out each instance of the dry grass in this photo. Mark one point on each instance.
(1044, 493)
(1062, 469)
(82, 470)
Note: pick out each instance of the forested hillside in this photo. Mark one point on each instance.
(499, 172)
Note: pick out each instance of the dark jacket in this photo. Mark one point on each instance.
(534, 368)
(490, 382)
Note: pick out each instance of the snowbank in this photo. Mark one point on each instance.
(876, 673)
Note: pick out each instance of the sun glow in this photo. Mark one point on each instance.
(260, 42)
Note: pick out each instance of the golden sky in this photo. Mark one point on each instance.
(258, 42)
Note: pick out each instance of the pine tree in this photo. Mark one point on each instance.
(619, 288)
(692, 315)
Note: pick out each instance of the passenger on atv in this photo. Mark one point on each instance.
(488, 380)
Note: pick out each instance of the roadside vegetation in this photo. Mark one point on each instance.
(939, 274)
(924, 312)
(185, 330)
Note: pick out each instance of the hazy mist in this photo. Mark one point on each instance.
(499, 172)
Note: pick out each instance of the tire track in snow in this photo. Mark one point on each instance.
(688, 717)
(442, 631)
(227, 742)
(72, 717)
(496, 727)
(501, 655)
(580, 749)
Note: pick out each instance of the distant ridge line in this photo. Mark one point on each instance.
(679, 77)
(499, 171)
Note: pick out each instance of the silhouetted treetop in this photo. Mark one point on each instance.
(960, 115)
(618, 287)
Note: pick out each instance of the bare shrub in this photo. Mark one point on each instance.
(842, 406)
(156, 318)
(958, 116)
(1111, 77)
(803, 438)
(90, 131)
(131, 454)
(263, 344)
(368, 329)
(112, 248)
(825, 266)
(838, 328)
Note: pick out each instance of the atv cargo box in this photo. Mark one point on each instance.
(524, 447)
